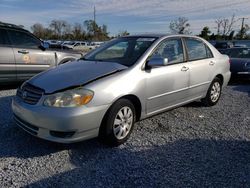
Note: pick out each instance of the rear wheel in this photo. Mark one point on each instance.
(213, 93)
(118, 123)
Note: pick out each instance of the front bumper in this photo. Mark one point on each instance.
(63, 125)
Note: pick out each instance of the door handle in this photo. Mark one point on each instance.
(184, 68)
(211, 63)
(23, 51)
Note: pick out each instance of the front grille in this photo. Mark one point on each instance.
(30, 94)
(26, 126)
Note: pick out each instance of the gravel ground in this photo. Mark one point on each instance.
(192, 146)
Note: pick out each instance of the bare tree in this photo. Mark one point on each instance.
(225, 25)
(219, 22)
(38, 30)
(67, 31)
(123, 33)
(180, 26)
(78, 31)
(58, 27)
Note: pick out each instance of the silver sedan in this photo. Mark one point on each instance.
(128, 79)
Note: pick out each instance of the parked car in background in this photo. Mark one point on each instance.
(54, 44)
(96, 43)
(240, 61)
(223, 45)
(22, 55)
(241, 43)
(125, 80)
(69, 44)
(83, 46)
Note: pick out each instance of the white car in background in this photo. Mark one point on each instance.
(96, 44)
(83, 46)
(72, 44)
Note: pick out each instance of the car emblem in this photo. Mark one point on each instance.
(24, 95)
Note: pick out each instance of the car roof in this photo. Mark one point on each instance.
(163, 35)
(12, 26)
(146, 35)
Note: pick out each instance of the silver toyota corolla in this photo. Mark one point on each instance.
(124, 81)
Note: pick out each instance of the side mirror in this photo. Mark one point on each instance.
(44, 45)
(157, 62)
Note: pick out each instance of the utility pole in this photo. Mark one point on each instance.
(94, 23)
(242, 27)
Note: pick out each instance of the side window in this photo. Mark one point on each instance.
(171, 49)
(209, 52)
(3, 37)
(21, 39)
(196, 49)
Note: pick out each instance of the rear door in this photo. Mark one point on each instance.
(7, 60)
(201, 64)
(30, 59)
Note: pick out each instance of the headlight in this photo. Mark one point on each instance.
(71, 98)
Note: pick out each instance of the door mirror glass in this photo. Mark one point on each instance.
(157, 62)
(44, 45)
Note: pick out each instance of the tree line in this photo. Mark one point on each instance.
(62, 30)
(90, 30)
(225, 27)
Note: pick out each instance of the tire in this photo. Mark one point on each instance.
(213, 93)
(118, 123)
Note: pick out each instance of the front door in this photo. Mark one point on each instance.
(30, 59)
(167, 85)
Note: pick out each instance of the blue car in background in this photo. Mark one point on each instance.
(240, 61)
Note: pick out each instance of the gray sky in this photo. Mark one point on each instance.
(136, 16)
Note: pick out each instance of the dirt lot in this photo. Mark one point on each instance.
(192, 146)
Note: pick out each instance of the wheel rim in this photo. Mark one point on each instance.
(123, 122)
(215, 91)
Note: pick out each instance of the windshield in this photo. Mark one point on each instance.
(125, 51)
(239, 53)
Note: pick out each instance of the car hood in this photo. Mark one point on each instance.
(74, 74)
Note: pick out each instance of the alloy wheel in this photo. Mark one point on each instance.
(215, 91)
(123, 122)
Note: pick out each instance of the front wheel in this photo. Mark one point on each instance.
(213, 93)
(118, 123)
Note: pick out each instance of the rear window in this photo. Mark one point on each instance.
(239, 53)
